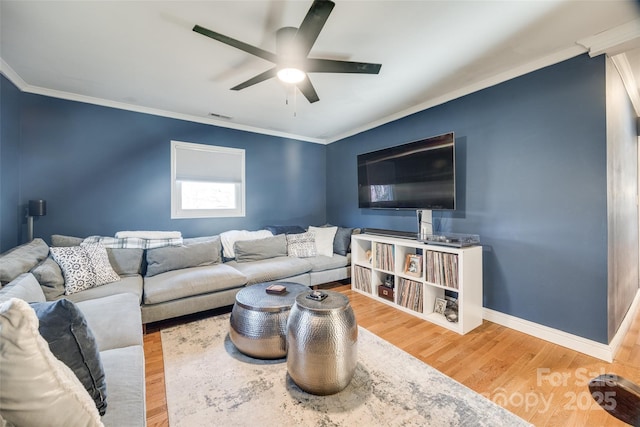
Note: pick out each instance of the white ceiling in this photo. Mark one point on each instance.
(144, 56)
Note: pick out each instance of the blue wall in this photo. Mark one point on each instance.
(531, 170)
(11, 215)
(102, 170)
(531, 181)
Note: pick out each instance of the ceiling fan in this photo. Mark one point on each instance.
(292, 49)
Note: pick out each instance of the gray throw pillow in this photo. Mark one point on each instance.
(342, 240)
(255, 250)
(65, 329)
(196, 254)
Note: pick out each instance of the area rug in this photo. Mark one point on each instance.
(209, 383)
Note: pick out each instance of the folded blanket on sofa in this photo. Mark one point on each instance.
(149, 234)
(133, 242)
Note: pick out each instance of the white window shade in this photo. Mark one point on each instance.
(209, 165)
(200, 178)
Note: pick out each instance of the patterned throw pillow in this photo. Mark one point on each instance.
(99, 260)
(76, 269)
(301, 245)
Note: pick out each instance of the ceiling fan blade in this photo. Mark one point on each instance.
(261, 53)
(334, 66)
(308, 91)
(257, 79)
(312, 25)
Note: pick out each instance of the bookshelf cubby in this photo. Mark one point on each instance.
(444, 273)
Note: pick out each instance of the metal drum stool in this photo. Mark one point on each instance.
(259, 320)
(322, 336)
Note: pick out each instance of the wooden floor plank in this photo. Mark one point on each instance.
(507, 366)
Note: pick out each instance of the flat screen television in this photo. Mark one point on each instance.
(416, 175)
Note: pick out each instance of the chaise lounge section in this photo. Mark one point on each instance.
(27, 398)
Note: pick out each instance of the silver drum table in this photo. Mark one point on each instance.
(323, 343)
(258, 323)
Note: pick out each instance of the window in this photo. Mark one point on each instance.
(206, 181)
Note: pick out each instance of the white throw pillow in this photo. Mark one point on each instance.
(324, 239)
(37, 389)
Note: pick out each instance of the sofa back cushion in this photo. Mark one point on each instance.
(25, 287)
(49, 275)
(229, 238)
(63, 241)
(284, 229)
(192, 254)
(126, 261)
(22, 259)
(255, 250)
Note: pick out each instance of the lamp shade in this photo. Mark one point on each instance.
(37, 207)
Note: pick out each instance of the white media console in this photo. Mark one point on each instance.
(425, 280)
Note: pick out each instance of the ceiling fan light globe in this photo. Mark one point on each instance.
(291, 75)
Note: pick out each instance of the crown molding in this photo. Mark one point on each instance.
(621, 63)
(529, 67)
(614, 41)
(12, 75)
(23, 86)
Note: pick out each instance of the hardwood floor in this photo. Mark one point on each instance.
(543, 383)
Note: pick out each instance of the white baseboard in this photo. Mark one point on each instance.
(573, 342)
(616, 342)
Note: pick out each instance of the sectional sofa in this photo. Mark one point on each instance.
(92, 361)
(207, 272)
(145, 283)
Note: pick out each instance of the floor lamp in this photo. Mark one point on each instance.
(36, 208)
